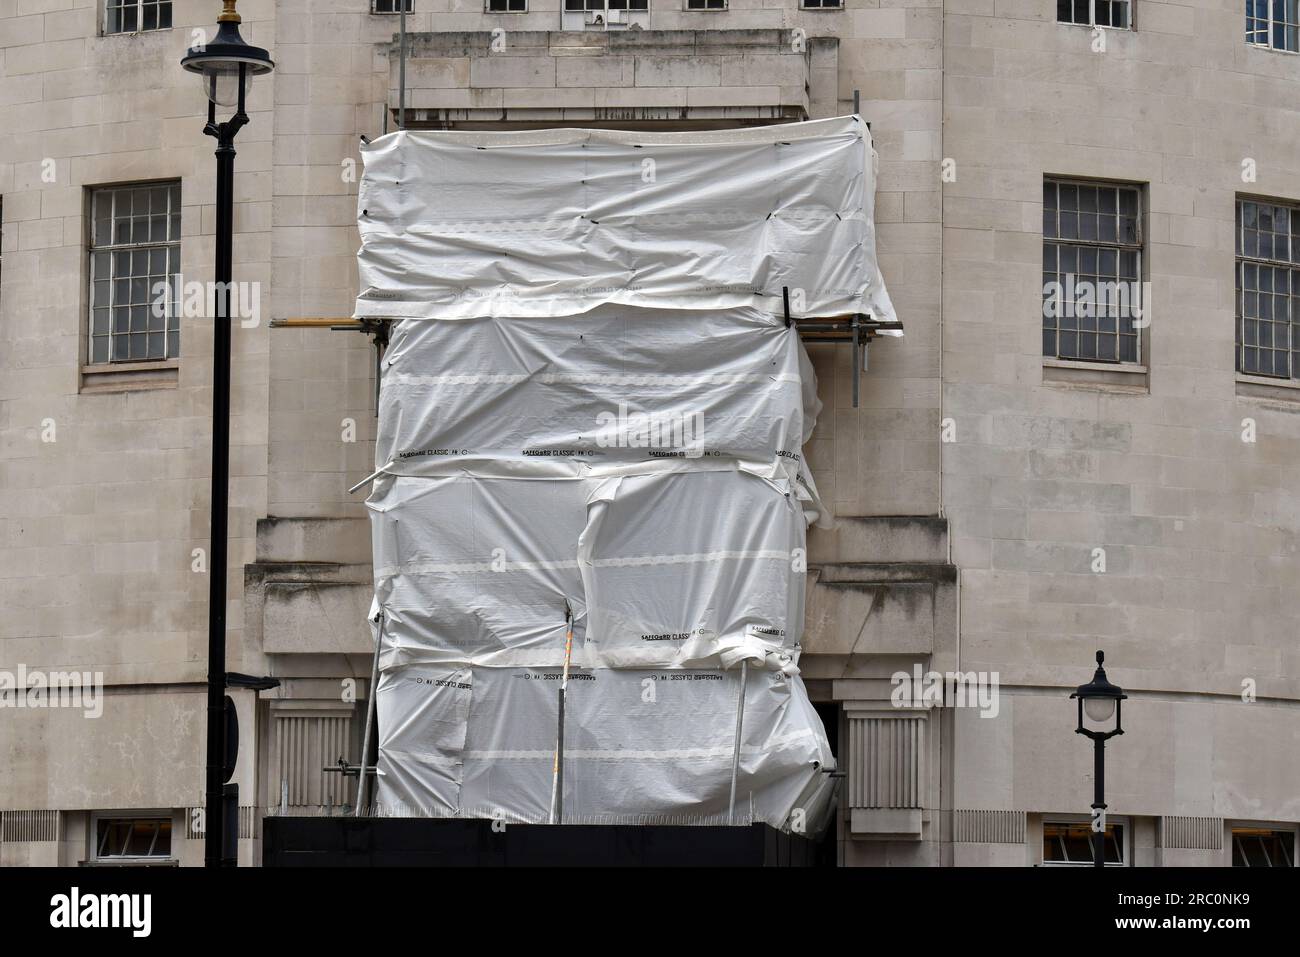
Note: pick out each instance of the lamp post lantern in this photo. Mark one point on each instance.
(1099, 702)
(226, 67)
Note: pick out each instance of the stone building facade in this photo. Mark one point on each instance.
(998, 510)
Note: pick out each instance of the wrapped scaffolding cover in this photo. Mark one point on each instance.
(556, 222)
(641, 747)
(591, 422)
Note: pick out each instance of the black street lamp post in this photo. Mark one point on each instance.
(1099, 701)
(226, 67)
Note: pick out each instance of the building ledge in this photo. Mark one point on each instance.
(653, 78)
(1263, 387)
(130, 376)
(885, 823)
(1125, 378)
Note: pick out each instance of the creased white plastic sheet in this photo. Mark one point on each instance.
(640, 746)
(599, 394)
(673, 579)
(557, 222)
(660, 570)
(592, 402)
(692, 569)
(476, 569)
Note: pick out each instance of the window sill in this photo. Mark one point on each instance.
(130, 376)
(130, 862)
(1268, 49)
(1121, 378)
(1079, 864)
(1263, 387)
(1094, 26)
(134, 33)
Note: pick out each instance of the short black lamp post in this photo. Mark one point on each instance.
(226, 65)
(1099, 702)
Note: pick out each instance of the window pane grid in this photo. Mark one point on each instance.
(1099, 13)
(1268, 289)
(150, 837)
(135, 247)
(1261, 847)
(1274, 24)
(132, 16)
(1092, 272)
(1073, 844)
(602, 5)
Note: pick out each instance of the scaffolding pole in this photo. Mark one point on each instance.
(401, 65)
(557, 771)
(370, 719)
(735, 754)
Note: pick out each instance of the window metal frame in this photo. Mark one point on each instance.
(487, 8)
(1125, 843)
(139, 5)
(93, 839)
(1092, 16)
(92, 192)
(397, 8)
(605, 6)
(1137, 246)
(1285, 830)
(822, 5)
(1292, 265)
(1290, 27)
(721, 8)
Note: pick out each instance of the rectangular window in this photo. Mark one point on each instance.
(822, 4)
(135, 16)
(133, 838)
(507, 6)
(135, 247)
(601, 5)
(1268, 289)
(1072, 843)
(1262, 847)
(1092, 271)
(389, 6)
(1095, 13)
(706, 4)
(1273, 24)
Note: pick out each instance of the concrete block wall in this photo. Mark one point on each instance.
(882, 457)
(594, 76)
(1199, 529)
(104, 494)
(330, 87)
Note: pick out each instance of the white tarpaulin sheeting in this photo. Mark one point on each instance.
(593, 402)
(557, 222)
(640, 746)
(662, 570)
(599, 394)
(575, 389)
